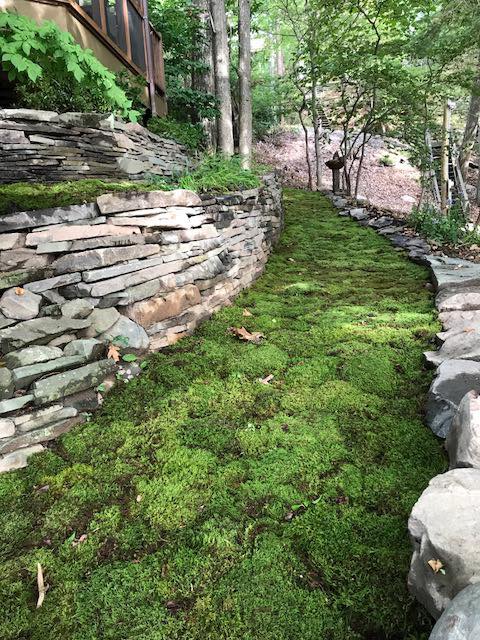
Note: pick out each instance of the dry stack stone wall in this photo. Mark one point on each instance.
(47, 146)
(138, 271)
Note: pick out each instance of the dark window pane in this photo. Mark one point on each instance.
(92, 7)
(135, 24)
(116, 22)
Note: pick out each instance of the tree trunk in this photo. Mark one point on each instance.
(307, 150)
(444, 186)
(316, 135)
(222, 76)
(204, 80)
(245, 83)
(471, 125)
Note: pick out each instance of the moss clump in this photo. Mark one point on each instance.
(216, 506)
(27, 196)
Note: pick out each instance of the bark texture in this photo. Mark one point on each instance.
(222, 76)
(245, 83)
(471, 125)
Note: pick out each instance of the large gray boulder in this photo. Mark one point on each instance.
(454, 379)
(444, 527)
(454, 272)
(455, 322)
(461, 619)
(464, 345)
(463, 440)
(457, 300)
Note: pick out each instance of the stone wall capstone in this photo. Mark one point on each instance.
(47, 146)
(135, 270)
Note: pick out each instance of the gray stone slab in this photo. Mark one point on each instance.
(117, 202)
(31, 355)
(453, 272)
(37, 331)
(71, 382)
(88, 348)
(106, 287)
(18, 459)
(53, 283)
(42, 217)
(6, 383)
(13, 404)
(42, 417)
(20, 304)
(454, 379)
(121, 269)
(461, 618)
(96, 258)
(24, 376)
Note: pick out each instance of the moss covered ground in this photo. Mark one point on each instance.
(216, 507)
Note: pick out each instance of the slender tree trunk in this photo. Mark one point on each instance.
(316, 136)
(222, 76)
(444, 159)
(245, 83)
(204, 80)
(360, 165)
(307, 149)
(471, 125)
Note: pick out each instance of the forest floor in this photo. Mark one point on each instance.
(388, 181)
(244, 491)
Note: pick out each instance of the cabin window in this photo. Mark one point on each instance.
(92, 8)
(115, 20)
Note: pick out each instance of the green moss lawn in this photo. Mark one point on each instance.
(216, 507)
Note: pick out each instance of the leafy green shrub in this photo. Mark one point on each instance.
(191, 135)
(386, 161)
(51, 71)
(217, 173)
(444, 229)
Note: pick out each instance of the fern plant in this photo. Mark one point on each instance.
(48, 65)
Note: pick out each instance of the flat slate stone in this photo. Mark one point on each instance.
(43, 217)
(21, 277)
(38, 435)
(31, 355)
(96, 258)
(6, 383)
(159, 221)
(70, 382)
(463, 440)
(88, 348)
(454, 379)
(77, 232)
(37, 331)
(18, 459)
(24, 376)
(105, 287)
(79, 308)
(121, 269)
(453, 272)
(8, 406)
(7, 428)
(43, 417)
(129, 201)
(136, 336)
(53, 283)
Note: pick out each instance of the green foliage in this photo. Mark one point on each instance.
(182, 35)
(51, 71)
(219, 507)
(220, 174)
(444, 229)
(191, 135)
(386, 161)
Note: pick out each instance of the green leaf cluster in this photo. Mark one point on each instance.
(52, 71)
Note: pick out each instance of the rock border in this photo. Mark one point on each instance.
(444, 524)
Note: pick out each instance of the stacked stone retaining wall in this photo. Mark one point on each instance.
(47, 146)
(128, 273)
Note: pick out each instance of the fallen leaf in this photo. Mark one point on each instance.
(243, 334)
(19, 291)
(42, 588)
(113, 353)
(139, 498)
(247, 314)
(435, 565)
(266, 380)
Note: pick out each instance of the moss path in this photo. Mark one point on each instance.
(216, 507)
